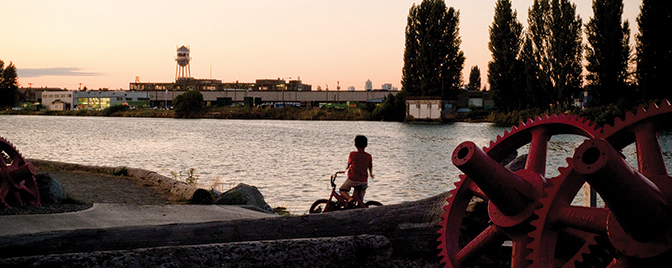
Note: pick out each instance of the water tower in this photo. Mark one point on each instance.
(182, 69)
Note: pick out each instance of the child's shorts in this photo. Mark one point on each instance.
(358, 185)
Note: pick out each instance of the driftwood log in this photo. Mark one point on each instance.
(411, 228)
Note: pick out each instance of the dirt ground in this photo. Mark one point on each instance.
(101, 188)
(85, 188)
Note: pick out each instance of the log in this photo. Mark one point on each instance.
(411, 228)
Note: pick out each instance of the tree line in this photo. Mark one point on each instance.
(542, 66)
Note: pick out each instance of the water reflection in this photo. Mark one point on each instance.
(289, 161)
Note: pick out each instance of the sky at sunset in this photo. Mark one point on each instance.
(106, 44)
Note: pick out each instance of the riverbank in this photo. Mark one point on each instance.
(93, 184)
(241, 112)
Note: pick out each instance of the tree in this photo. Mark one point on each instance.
(392, 109)
(555, 37)
(189, 104)
(433, 61)
(505, 43)
(654, 50)
(475, 78)
(608, 51)
(8, 85)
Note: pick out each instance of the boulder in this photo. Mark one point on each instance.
(518, 163)
(202, 197)
(51, 191)
(244, 194)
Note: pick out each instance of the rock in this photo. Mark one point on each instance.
(244, 194)
(344, 251)
(518, 163)
(202, 197)
(51, 191)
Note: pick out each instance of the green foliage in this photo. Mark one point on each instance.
(556, 51)
(392, 109)
(654, 50)
(120, 172)
(433, 61)
(189, 104)
(114, 109)
(190, 178)
(608, 52)
(282, 211)
(475, 78)
(513, 118)
(604, 115)
(8, 85)
(504, 71)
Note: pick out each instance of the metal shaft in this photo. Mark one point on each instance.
(635, 201)
(507, 191)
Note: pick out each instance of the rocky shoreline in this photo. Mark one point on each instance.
(85, 181)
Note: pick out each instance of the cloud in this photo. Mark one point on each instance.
(54, 71)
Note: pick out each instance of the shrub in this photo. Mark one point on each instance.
(189, 105)
(114, 109)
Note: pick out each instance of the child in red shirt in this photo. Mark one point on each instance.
(359, 169)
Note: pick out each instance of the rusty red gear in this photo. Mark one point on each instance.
(17, 181)
(535, 132)
(557, 215)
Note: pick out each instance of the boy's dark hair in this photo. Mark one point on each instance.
(361, 141)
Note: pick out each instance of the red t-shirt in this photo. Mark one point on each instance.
(359, 163)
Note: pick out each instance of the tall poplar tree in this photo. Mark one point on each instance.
(503, 71)
(8, 85)
(608, 51)
(654, 50)
(433, 61)
(475, 78)
(555, 34)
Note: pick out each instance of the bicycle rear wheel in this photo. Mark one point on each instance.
(318, 206)
(373, 204)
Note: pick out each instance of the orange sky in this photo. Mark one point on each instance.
(109, 43)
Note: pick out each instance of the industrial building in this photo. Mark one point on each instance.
(215, 92)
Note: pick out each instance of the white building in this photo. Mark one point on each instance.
(99, 99)
(58, 100)
(368, 85)
(423, 108)
(386, 86)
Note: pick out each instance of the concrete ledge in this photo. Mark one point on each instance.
(177, 188)
(344, 251)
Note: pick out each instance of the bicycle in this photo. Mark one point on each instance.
(337, 202)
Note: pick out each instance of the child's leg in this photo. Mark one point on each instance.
(345, 189)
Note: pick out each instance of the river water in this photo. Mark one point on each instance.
(289, 161)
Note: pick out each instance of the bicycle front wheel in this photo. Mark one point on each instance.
(318, 206)
(369, 204)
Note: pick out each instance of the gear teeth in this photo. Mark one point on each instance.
(653, 106)
(630, 117)
(583, 126)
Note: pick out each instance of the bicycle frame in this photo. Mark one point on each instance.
(340, 202)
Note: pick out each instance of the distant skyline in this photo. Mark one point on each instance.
(106, 44)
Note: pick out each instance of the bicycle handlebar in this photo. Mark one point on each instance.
(333, 178)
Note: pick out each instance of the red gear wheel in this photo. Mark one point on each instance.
(558, 217)
(534, 132)
(17, 181)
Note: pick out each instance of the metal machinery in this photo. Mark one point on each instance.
(17, 181)
(536, 213)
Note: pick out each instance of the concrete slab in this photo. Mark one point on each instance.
(119, 215)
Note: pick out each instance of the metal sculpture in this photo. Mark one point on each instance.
(546, 229)
(512, 196)
(633, 229)
(17, 181)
